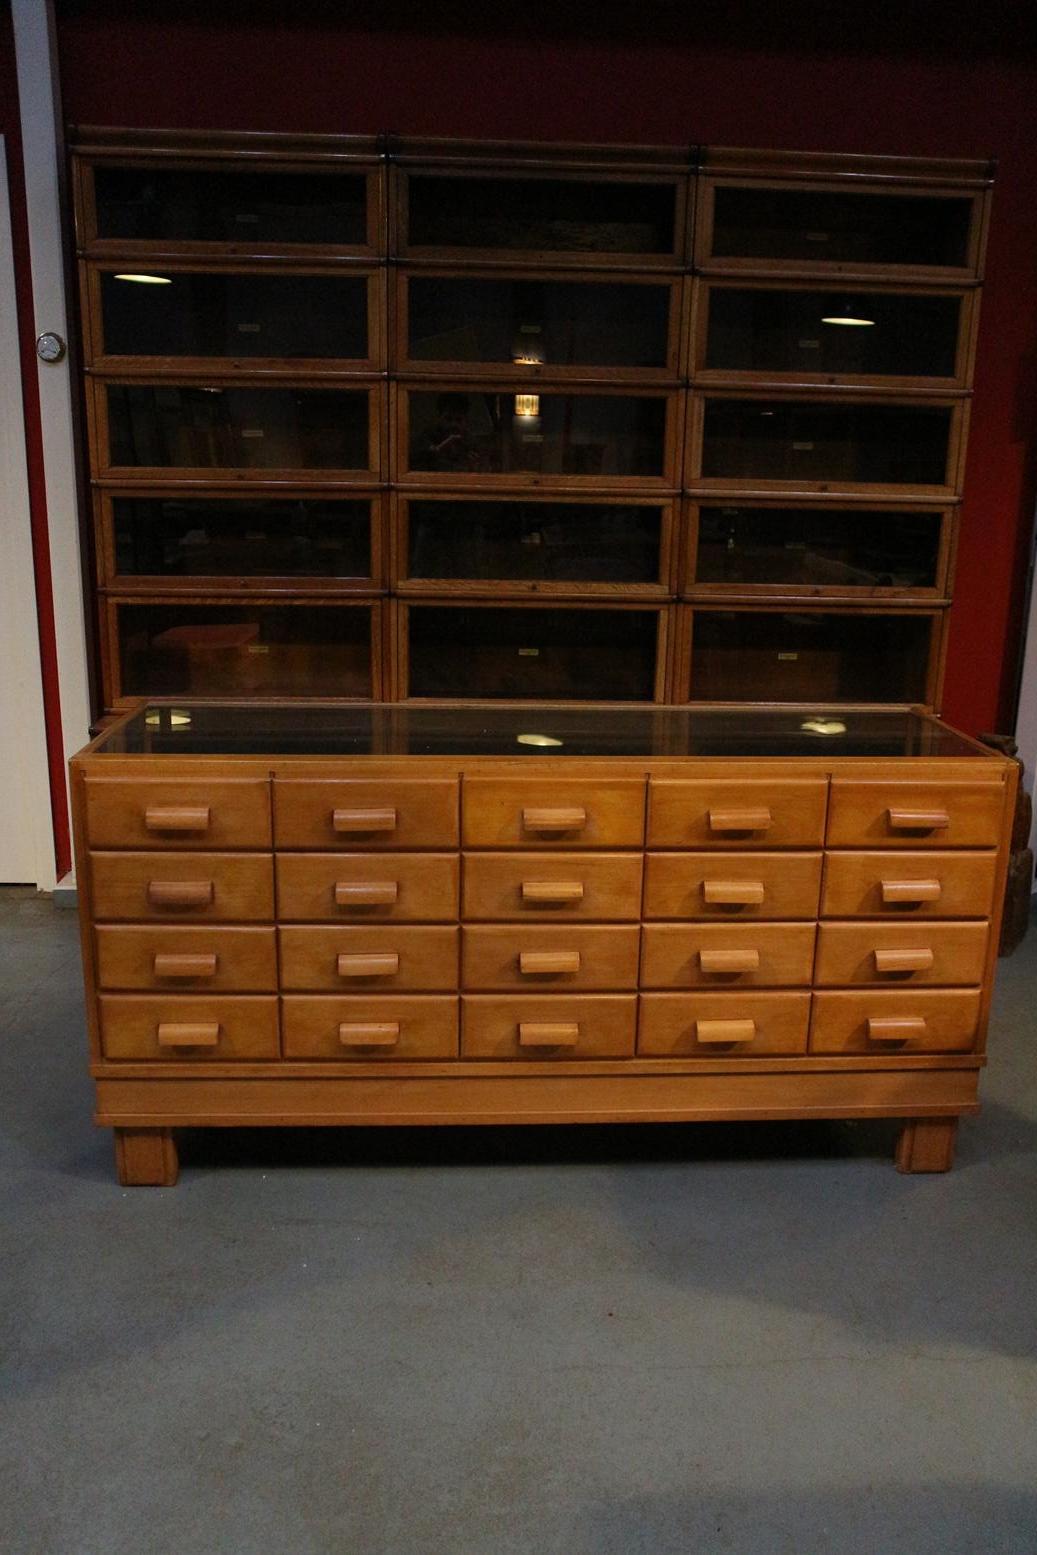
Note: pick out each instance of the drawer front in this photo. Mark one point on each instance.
(187, 960)
(915, 815)
(209, 813)
(366, 1030)
(191, 1030)
(536, 956)
(718, 956)
(553, 1026)
(403, 813)
(722, 1025)
(368, 887)
(360, 960)
(553, 886)
(553, 812)
(886, 1020)
(756, 813)
(180, 887)
(733, 886)
(901, 955)
(909, 885)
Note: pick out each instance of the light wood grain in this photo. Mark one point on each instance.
(747, 813)
(914, 815)
(900, 885)
(151, 812)
(425, 812)
(552, 1026)
(841, 1021)
(132, 1027)
(596, 887)
(215, 886)
(426, 1027)
(744, 1023)
(225, 960)
(716, 956)
(600, 957)
(732, 885)
(368, 887)
(390, 957)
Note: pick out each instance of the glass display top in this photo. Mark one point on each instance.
(535, 729)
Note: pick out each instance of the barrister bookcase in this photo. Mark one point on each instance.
(405, 419)
(428, 913)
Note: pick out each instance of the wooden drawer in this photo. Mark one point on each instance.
(750, 813)
(915, 815)
(556, 1026)
(187, 960)
(362, 959)
(352, 814)
(384, 1026)
(553, 812)
(191, 1030)
(888, 1020)
(213, 886)
(732, 885)
(210, 813)
(368, 887)
(597, 886)
(538, 956)
(901, 954)
(722, 1025)
(718, 955)
(909, 885)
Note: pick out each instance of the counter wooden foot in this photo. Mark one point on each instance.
(146, 1157)
(927, 1145)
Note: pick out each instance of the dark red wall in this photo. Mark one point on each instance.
(918, 79)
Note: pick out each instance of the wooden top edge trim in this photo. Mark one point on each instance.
(964, 172)
(109, 140)
(444, 151)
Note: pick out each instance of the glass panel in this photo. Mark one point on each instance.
(878, 333)
(234, 315)
(560, 434)
(845, 228)
(205, 206)
(554, 323)
(177, 425)
(902, 445)
(574, 542)
(577, 654)
(190, 729)
(808, 656)
(553, 214)
(244, 650)
(808, 547)
(176, 537)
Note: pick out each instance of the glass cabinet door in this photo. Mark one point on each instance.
(567, 655)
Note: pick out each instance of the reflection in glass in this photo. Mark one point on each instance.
(553, 214)
(593, 542)
(177, 425)
(553, 323)
(903, 445)
(244, 650)
(808, 656)
(846, 228)
(569, 654)
(587, 434)
(227, 315)
(184, 537)
(880, 333)
(818, 547)
(230, 206)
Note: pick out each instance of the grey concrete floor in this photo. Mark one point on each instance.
(755, 1339)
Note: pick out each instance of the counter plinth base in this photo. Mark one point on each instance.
(146, 1157)
(927, 1145)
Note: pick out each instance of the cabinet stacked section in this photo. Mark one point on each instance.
(468, 420)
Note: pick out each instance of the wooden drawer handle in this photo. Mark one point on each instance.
(910, 892)
(725, 1030)
(918, 960)
(733, 893)
(918, 820)
(170, 965)
(366, 893)
(532, 962)
(560, 818)
(369, 1033)
(892, 1028)
(188, 1033)
(548, 1033)
(740, 820)
(729, 960)
(180, 893)
(384, 964)
(369, 820)
(551, 891)
(177, 818)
